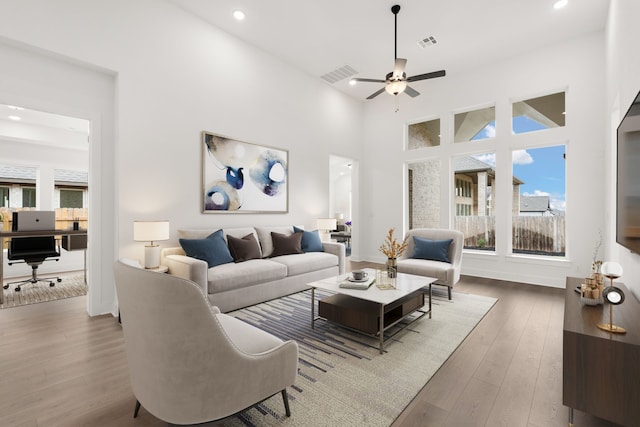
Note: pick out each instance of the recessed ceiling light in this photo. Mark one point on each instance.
(559, 4)
(14, 118)
(352, 82)
(13, 107)
(239, 15)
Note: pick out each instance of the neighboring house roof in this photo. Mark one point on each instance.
(534, 203)
(27, 175)
(18, 174)
(469, 164)
(61, 176)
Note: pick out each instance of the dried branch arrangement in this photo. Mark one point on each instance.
(391, 248)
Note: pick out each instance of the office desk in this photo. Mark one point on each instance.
(342, 235)
(39, 233)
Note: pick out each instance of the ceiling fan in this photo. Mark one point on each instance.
(396, 81)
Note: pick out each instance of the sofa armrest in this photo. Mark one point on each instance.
(338, 250)
(186, 267)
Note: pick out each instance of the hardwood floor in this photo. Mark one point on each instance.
(60, 367)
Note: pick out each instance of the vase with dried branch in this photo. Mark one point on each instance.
(392, 249)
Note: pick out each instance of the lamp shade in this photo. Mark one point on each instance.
(327, 223)
(150, 231)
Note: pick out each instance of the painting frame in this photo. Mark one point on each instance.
(243, 177)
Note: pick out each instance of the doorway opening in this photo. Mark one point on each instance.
(45, 167)
(341, 199)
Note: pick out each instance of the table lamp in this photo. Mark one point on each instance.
(151, 231)
(613, 295)
(326, 225)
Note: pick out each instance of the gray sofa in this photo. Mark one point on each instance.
(235, 285)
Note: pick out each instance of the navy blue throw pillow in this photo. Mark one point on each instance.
(310, 240)
(213, 249)
(435, 250)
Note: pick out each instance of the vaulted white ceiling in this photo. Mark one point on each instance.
(319, 37)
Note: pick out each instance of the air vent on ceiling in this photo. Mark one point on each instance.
(427, 41)
(339, 74)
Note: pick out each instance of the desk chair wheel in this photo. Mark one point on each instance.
(5, 287)
(58, 280)
(51, 284)
(17, 289)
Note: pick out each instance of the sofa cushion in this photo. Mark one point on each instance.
(436, 250)
(311, 241)
(307, 262)
(227, 277)
(243, 249)
(286, 245)
(213, 249)
(264, 237)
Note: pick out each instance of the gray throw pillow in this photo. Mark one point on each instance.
(244, 249)
(286, 245)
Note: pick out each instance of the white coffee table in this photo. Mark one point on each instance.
(371, 311)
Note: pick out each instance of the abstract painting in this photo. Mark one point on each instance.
(243, 177)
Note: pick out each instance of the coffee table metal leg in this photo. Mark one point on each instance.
(430, 299)
(313, 311)
(381, 328)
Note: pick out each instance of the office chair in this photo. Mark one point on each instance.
(33, 251)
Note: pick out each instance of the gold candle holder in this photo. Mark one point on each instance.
(612, 270)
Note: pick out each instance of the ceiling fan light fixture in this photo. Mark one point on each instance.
(395, 87)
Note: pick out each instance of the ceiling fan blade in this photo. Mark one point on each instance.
(374, 94)
(425, 76)
(411, 92)
(368, 80)
(398, 68)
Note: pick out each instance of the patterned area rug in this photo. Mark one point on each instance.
(72, 285)
(343, 380)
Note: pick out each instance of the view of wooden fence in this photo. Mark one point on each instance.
(544, 235)
(64, 217)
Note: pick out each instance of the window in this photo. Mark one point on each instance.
(540, 113)
(424, 134)
(539, 201)
(4, 197)
(71, 198)
(474, 178)
(475, 125)
(28, 197)
(424, 194)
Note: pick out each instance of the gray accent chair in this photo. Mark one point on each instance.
(188, 362)
(448, 274)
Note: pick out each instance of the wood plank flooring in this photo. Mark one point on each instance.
(60, 367)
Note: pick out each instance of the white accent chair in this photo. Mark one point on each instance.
(188, 362)
(448, 274)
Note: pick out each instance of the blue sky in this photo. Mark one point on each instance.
(541, 169)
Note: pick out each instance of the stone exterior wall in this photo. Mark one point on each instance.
(424, 195)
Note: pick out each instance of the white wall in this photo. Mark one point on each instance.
(38, 80)
(623, 84)
(575, 66)
(178, 76)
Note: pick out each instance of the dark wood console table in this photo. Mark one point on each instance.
(601, 370)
